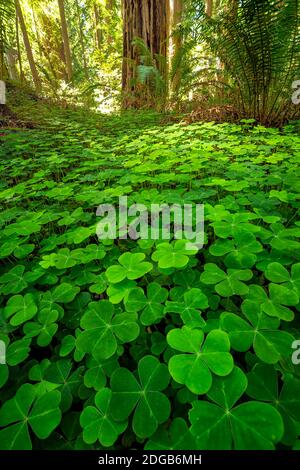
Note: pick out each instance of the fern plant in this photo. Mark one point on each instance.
(149, 80)
(258, 43)
(7, 12)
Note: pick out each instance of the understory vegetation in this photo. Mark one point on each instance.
(143, 344)
(149, 343)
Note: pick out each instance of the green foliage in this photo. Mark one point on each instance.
(251, 425)
(26, 409)
(258, 44)
(121, 344)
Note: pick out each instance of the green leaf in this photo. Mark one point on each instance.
(173, 255)
(263, 386)
(219, 426)
(228, 284)
(131, 267)
(177, 437)
(22, 309)
(59, 373)
(189, 310)
(275, 304)
(42, 414)
(259, 330)
(151, 306)
(195, 368)
(103, 329)
(144, 397)
(64, 293)
(275, 272)
(18, 351)
(97, 422)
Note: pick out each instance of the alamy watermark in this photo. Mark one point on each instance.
(2, 352)
(296, 94)
(296, 353)
(161, 222)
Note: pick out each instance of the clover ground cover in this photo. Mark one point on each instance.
(140, 344)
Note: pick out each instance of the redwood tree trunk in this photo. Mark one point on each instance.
(81, 38)
(177, 45)
(209, 7)
(149, 21)
(98, 31)
(34, 72)
(65, 37)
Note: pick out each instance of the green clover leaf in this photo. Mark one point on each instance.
(22, 309)
(64, 293)
(103, 328)
(234, 225)
(120, 291)
(173, 255)
(45, 328)
(228, 284)
(151, 306)
(151, 407)
(258, 329)
(274, 305)
(193, 302)
(96, 372)
(263, 386)
(218, 426)
(195, 368)
(131, 267)
(277, 273)
(59, 373)
(240, 252)
(177, 437)
(97, 422)
(42, 414)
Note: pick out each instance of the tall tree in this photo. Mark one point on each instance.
(65, 37)
(209, 7)
(34, 72)
(19, 50)
(98, 30)
(177, 44)
(149, 21)
(81, 38)
(6, 14)
(12, 59)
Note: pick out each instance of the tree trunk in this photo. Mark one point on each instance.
(209, 7)
(81, 38)
(42, 51)
(66, 42)
(12, 59)
(109, 5)
(98, 32)
(19, 50)
(177, 45)
(149, 21)
(34, 72)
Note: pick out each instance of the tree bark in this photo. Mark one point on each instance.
(19, 50)
(98, 33)
(81, 37)
(34, 72)
(12, 59)
(177, 44)
(149, 21)
(65, 38)
(209, 7)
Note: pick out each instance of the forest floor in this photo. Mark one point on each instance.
(56, 173)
